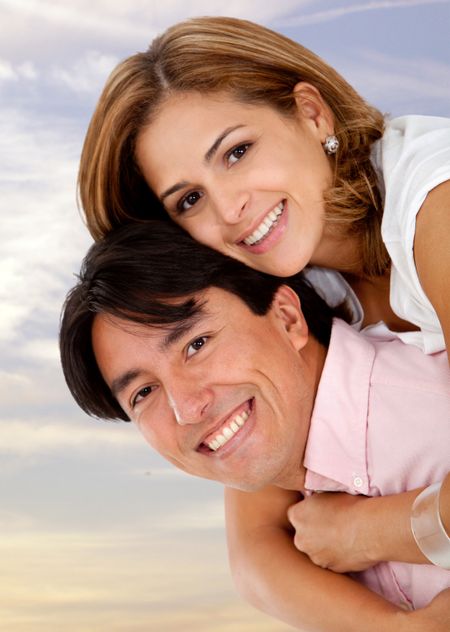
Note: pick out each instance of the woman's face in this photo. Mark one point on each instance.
(242, 178)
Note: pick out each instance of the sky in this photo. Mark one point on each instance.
(98, 533)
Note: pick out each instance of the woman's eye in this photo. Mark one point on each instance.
(237, 153)
(196, 345)
(142, 394)
(188, 201)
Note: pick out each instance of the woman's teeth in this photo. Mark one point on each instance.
(228, 431)
(266, 226)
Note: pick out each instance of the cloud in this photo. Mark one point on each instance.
(25, 437)
(328, 15)
(411, 85)
(86, 75)
(7, 72)
(167, 472)
(27, 70)
(42, 237)
(68, 28)
(203, 515)
(135, 15)
(10, 72)
(112, 581)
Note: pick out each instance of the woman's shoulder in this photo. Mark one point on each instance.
(412, 157)
(415, 124)
(410, 137)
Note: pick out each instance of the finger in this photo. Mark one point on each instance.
(292, 513)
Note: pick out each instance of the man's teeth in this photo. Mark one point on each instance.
(228, 431)
(266, 225)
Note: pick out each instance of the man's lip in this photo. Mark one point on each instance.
(256, 222)
(212, 432)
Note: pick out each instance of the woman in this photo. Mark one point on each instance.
(161, 111)
(259, 149)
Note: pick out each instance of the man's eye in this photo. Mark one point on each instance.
(188, 201)
(142, 394)
(196, 345)
(237, 153)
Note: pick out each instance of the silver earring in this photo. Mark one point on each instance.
(331, 145)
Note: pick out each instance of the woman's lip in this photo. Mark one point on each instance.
(257, 222)
(272, 238)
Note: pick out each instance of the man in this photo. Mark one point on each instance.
(230, 379)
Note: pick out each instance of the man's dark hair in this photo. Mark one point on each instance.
(153, 273)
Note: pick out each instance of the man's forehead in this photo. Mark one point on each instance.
(164, 335)
(165, 332)
(209, 305)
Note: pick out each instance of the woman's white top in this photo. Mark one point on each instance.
(411, 158)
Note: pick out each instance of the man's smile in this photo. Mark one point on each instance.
(227, 428)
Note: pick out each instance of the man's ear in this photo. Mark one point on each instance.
(287, 310)
(312, 106)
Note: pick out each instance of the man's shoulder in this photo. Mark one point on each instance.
(391, 359)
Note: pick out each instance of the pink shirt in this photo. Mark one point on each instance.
(381, 425)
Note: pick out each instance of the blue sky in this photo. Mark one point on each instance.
(98, 533)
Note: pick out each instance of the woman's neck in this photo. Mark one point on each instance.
(339, 251)
(374, 294)
(343, 252)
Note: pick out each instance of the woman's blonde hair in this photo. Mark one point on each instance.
(253, 65)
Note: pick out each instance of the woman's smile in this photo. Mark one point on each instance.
(268, 232)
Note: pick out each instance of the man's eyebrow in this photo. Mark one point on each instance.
(121, 382)
(177, 332)
(208, 157)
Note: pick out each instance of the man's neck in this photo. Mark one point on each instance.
(313, 355)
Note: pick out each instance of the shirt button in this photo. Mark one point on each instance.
(357, 481)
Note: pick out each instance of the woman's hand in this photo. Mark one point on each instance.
(326, 529)
(351, 533)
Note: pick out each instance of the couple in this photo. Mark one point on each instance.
(257, 148)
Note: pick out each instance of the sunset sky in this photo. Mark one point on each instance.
(97, 533)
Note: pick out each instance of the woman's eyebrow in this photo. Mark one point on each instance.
(173, 189)
(216, 144)
(208, 157)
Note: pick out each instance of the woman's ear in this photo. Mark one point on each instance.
(287, 309)
(312, 106)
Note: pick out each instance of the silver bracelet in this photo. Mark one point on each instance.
(428, 530)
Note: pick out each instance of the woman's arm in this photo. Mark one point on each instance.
(284, 583)
(350, 533)
(432, 252)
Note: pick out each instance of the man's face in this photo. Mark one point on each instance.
(227, 398)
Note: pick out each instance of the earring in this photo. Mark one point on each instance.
(331, 145)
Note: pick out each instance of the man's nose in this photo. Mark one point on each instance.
(190, 405)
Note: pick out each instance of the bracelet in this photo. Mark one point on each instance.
(427, 528)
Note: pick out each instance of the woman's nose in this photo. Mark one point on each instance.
(230, 206)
